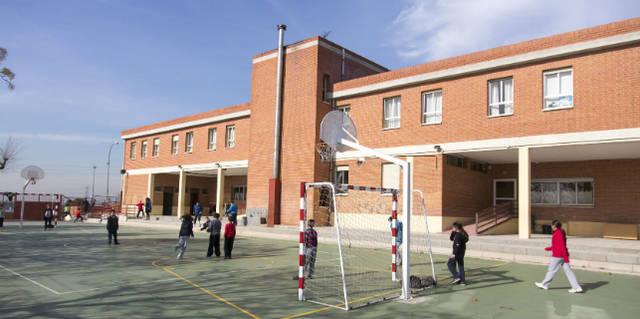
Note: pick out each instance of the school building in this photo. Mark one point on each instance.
(505, 139)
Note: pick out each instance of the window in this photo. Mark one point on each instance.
(501, 97)
(342, 177)
(239, 193)
(156, 147)
(432, 107)
(188, 142)
(345, 109)
(479, 167)
(391, 113)
(391, 176)
(231, 137)
(143, 150)
(174, 144)
(213, 139)
(562, 192)
(132, 151)
(455, 161)
(326, 83)
(558, 89)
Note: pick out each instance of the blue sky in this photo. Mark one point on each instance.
(87, 69)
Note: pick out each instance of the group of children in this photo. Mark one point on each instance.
(213, 227)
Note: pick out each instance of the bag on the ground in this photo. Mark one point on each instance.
(418, 283)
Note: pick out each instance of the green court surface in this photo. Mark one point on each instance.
(71, 272)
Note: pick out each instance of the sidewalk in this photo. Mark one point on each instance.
(595, 254)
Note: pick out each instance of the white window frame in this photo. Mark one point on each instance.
(387, 120)
(212, 139)
(559, 181)
(326, 84)
(155, 148)
(501, 95)
(546, 97)
(175, 144)
(228, 141)
(339, 170)
(188, 142)
(346, 109)
(144, 149)
(434, 112)
(243, 192)
(133, 150)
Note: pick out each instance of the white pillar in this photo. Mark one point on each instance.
(182, 182)
(150, 186)
(524, 193)
(220, 191)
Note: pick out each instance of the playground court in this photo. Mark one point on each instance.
(71, 272)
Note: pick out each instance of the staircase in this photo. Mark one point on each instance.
(493, 216)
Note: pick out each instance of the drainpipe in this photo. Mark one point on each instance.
(274, 182)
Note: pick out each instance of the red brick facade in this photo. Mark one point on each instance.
(605, 97)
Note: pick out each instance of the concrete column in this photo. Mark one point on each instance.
(220, 191)
(182, 183)
(524, 193)
(150, 186)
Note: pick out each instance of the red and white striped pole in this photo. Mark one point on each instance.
(394, 234)
(301, 242)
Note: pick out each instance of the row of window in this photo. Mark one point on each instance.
(557, 87)
(212, 140)
(238, 192)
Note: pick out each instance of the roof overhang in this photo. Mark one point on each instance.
(205, 168)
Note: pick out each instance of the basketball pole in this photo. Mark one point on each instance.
(406, 208)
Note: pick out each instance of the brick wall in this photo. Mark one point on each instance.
(465, 192)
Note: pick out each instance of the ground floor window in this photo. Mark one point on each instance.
(239, 193)
(563, 192)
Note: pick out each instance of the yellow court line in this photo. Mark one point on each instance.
(210, 293)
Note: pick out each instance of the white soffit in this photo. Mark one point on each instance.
(230, 165)
(534, 56)
(208, 120)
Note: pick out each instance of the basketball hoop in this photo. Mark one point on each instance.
(31, 174)
(326, 152)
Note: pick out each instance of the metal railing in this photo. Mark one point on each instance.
(493, 216)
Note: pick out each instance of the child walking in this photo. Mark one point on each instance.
(229, 236)
(459, 237)
(186, 230)
(559, 258)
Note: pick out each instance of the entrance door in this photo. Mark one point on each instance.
(504, 190)
(167, 203)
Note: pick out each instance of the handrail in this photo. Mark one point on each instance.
(491, 216)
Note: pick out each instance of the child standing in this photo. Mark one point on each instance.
(459, 237)
(186, 230)
(214, 235)
(140, 207)
(559, 258)
(229, 236)
(48, 216)
(310, 249)
(112, 227)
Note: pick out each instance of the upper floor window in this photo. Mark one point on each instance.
(174, 144)
(213, 139)
(391, 113)
(432, 107)
(501, 97)
(156, 147)
(188, 142)
(231, 136)
(345, 109)
(326, 83)
(558, 89)
(342, 177)
(132, 150)
(143, 150)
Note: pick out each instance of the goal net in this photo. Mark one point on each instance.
(354, 263)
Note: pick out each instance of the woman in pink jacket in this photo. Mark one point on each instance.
(559, 258)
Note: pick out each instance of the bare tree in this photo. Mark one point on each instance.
(5, 73)
(8, 152)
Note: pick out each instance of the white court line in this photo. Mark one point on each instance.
(31, 280)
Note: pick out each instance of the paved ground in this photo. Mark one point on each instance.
(70, 272)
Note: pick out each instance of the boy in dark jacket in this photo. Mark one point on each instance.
(214, 229)
(112, 227)
(48, 216)
(186, 230)
(229, 237)
(459, 237)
